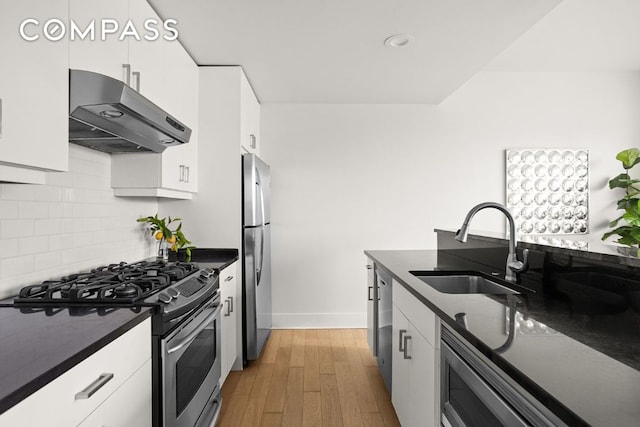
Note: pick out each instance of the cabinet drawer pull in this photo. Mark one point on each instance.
(405, 349)
(401, 332)
(370, 296)
(228, 313)
(228, 279)
(94, 386)
(186, 169)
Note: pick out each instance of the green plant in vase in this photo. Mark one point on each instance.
(629, 231)
(168, 236)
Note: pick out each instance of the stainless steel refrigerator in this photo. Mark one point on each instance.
(256, 250)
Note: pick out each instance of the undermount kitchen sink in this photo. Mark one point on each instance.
(462, 284)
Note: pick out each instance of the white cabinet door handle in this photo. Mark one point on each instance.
(401, 332)
(94, 386)
(126, 70)
(228, 279)
(405, 350)
(136, 75)
(186, 174)
(228, 313)
(231, 304)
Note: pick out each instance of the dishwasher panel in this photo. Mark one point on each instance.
(384, 320)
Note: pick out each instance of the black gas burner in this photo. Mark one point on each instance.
(113, 283)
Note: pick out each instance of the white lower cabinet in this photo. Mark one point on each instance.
(111, 377)
(129, 405)
(230, 327)
(415, 361)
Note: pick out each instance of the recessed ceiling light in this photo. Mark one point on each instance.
(399, 40)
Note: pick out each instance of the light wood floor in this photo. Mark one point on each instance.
(324, 377)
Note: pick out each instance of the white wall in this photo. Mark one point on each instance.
(69, 225)
(346, 178)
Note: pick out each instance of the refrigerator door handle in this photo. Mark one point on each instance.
(259, 269)
(261, 193)
(262, 218)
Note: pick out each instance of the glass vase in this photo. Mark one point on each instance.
(163, 251)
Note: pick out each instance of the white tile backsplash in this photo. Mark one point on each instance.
(71, 224)
(8, 209)
(10, 228)
(33, 245)
(33, 210)
(18, 192)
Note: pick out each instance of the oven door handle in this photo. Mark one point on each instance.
(192, 336)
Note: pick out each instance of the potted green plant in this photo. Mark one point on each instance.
(170, 238)
(627, 225)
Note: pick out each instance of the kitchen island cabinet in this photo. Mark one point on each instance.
(415, 361)
(371, 307)
(573, 372)
(34, 92)
(111, 385)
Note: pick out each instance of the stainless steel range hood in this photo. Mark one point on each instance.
(107, 115)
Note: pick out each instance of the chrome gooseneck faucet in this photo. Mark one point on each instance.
(514, 266)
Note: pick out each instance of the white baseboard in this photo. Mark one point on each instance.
(319, 320)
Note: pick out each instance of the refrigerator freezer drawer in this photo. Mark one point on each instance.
(256, 292)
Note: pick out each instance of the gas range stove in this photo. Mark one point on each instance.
(174, 289)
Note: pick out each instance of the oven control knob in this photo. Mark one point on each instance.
(173, 293)
(163, 297)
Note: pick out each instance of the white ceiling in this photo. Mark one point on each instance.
(332, 51)
(579, 35)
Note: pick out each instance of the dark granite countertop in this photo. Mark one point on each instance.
(39, 345)
(218, 259)
(583, 365)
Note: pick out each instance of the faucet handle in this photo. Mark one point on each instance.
(520, 266)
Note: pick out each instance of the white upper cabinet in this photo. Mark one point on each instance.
(147, 58)
(250, 118)
(108, 56)
(182, 82)
(172, 174)
(34, 92)
(162, 71)
(117, 47)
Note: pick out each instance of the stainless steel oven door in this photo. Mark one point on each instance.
(191, 369)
